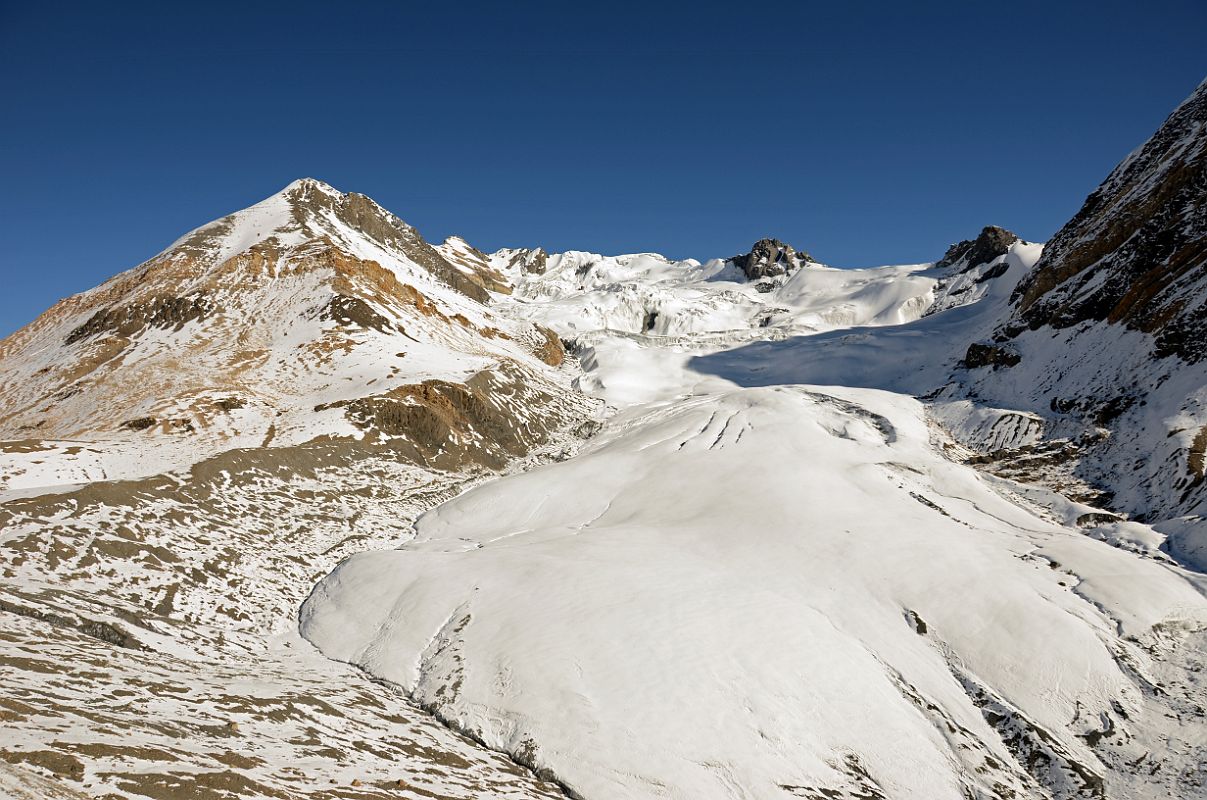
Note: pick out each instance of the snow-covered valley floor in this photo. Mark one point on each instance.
(782, 590)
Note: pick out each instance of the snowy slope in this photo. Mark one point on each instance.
(311, 315)
(149, 643)
(1110, 330)
(844, 538)
(772, 593)
(646, 293)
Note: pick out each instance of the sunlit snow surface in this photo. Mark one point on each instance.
(751, 587)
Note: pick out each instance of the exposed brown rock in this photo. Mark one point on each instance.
(370, 281)
(451, 425)
(551, 350)
(58, 763)
(218, 785)
(355, 312)
(1197, 457)
(1136, 252)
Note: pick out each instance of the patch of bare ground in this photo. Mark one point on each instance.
(147, 630)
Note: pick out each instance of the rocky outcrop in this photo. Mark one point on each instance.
(550, 349)
(989, 244)
(968, 268)
(769, 258)
(447, 425)
(353, 311)
(989, 355)
(525, 261)
(1136, 252)
(166, 312)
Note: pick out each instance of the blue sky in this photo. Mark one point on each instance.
(865, 133)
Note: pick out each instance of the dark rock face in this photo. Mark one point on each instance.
(451, 425)
(996, 271)
(989, 355)
(990, 243)
(532, 262)
(537, 262)
(771, 257)
(1136, 252)
(128, 320)
(353, 311)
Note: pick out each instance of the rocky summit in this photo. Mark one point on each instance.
(992, 242)
(307, 507)
(769, 258)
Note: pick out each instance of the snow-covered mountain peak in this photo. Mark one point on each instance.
(309, 184)
(306, 214)
(313, 314)
(283, 212)
(457, 241)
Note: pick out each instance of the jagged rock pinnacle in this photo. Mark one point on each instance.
(771, 257)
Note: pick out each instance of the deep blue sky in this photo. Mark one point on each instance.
(866, 133)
